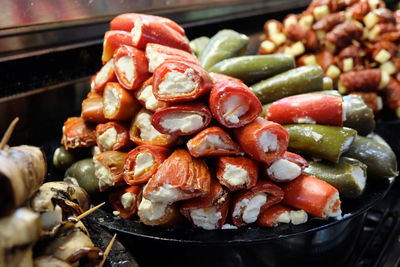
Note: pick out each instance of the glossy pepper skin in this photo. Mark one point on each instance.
(158, 153)
(105, 75)
(251, 69)
(358, 115)
(307, 108)
(296, 81)
(341, 175)
(323, 141)
(115, 200)
(249, 140)
(113, 161)
(225, 44)
(189, 177)
(379, 158)
(112, 41)
(310, 194)
(125, 22)
(218, 198)
(122, 138)
(160, 53)
(147, 30)
(221, 144)
(78, 133)
(202, 82)
(125, 106)
(131, 67)
(245, 109)
(249, 165)
(274, 196)
(181, 110)
(92, 108)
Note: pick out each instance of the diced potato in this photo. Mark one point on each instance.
(295, 50)
(289, 20)
(306, 21)
(268, 47)
(333, 72)
(321, 12)
(388, 67)
(320, 35)
(310, 60)
(370, 20)
(374, 32)
(385, 77)
(330, 47)
(348, 64)
(278, 38)
(382, 56)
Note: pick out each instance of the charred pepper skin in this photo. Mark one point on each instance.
(340, 175)
(323, 141)
(379, 158)
(225, 44)
(296, 81)
(251, 69)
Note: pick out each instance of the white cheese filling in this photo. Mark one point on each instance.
(147, 131)
(150, 210)
(284, 169)
(108, 139)
(143, 161)
(177, 82)
(330, 206)
(111, 102)
(347, 144)
(359, 177)
(213, 142)
(103, 174)
(147, 96)
(228, 227)
(102, 76)
(298, 217)
(268, 141)
(235, 175)
(184, 122)
(206, 218)
(284, 217)
(164, 194)
(126, 67)
(234, 107)
(127, 200)
(155, 59)
(250, 208)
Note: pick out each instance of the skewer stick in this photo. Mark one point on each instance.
(8, 133)
(86, 213)
(107, 251)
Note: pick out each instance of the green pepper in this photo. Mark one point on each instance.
(197, 45)
(379, 158)
(296, 81)
(327, 84)
(225, 44)
(348, 175)
(63, 158)
(251, 69)
(358, 115)
(83, 172)
(323, 141)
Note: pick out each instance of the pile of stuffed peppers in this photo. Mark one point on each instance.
(177, 133)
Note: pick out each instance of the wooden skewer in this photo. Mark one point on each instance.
(86, 213)
(8, 133)
(107, 251)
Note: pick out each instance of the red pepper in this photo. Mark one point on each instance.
(217, 199)
(269, 217)
(134, 177)
(392, 92)
(147, 30)
(274, 195)
(183, 119)
(125, 22)
(118, 103)
(313, 195)
(179, 177)
(146, 97)
(213, 141)
(112, 41)
(121, 140)
(109, 168)
(232, 103)
(193, 81)
(287, 168)
(92, 108)
(115, 200)
(78, 133)
(105, 75)
(157, 54)
(307, 108)
(142, 132)
(131, 67)
(240, 166)
(263, 140)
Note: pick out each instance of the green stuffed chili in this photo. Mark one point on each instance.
(358, 115)
(197, 45)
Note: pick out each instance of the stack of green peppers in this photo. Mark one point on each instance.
(340, 156)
